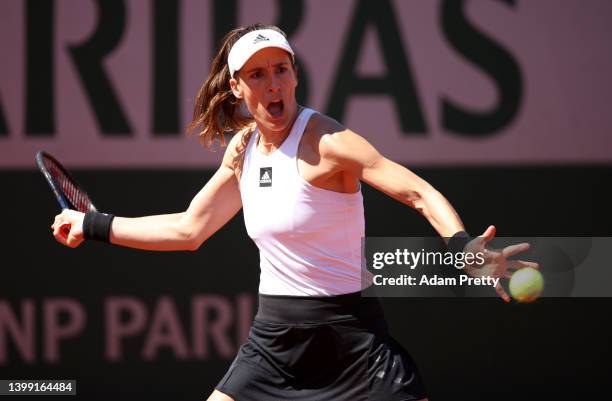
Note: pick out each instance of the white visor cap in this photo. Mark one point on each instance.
(251, 43)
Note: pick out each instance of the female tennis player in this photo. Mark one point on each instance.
(296, 174)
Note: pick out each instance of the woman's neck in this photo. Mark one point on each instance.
(269, 141)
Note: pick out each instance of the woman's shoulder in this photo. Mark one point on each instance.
(239, 140)
(321, 124)
(234, 153)
(331, 140)
(324, 134)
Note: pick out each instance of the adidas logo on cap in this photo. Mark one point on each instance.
(265, 177)
(259, 38)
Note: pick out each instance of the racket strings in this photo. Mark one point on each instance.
(74, 194)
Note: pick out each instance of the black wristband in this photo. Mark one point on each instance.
(96, 226)
(458, 241)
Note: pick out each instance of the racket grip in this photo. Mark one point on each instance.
(65, 229)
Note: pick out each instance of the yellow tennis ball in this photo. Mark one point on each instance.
(526, 284)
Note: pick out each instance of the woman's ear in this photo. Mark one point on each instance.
(235, 88)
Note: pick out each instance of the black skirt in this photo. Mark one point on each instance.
(321, 349)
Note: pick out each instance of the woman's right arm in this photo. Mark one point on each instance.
(209, 210)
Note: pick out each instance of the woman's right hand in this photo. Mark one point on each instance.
(68, 228)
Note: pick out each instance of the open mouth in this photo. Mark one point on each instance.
(275, 108)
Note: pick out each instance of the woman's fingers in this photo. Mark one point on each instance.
(515, 249)
(61, 227)
(502, 293)
(488, 235)
(519, 264)
(67, 228)
(57, 233)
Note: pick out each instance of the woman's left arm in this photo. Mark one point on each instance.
(351, 154)
(355, 156)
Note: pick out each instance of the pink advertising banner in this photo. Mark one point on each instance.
(429, 83)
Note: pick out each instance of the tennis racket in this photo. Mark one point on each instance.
(69, 194)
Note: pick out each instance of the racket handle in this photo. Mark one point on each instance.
(65, 229)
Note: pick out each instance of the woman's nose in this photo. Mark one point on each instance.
(275, 84)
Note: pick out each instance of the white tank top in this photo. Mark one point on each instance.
(309, 238)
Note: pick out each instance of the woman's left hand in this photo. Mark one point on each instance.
(496, 263)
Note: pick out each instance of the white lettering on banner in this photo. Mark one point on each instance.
(216, 325)
(428, 83)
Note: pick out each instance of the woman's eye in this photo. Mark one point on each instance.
(282, 69)
(256, 75)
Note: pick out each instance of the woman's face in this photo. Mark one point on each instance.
(267, 83)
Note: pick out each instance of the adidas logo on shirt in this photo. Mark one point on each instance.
(259, 38)
(265, 177)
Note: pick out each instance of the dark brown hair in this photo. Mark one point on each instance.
(216, 109)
